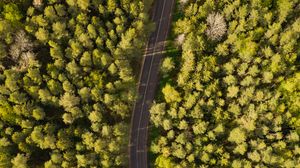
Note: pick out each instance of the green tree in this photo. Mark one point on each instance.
(50, 13)
(59, 29)
(12, 12)
(111, 5)
(170, 94)
(38, 114)
(60, 9)
(284, 8)
(69, 100)
(162, 162)
(20, 161)
(167, 65)
(237, 135)
(42, 35)
(86, 59)
(83, 4)
(232, 91)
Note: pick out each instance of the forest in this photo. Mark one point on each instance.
(230, 96)
(67, 84)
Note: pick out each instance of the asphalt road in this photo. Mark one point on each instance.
(138, 150)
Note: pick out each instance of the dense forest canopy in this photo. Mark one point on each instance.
(66, 83)
(235, 100)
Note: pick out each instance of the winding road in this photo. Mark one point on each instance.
(138, 151)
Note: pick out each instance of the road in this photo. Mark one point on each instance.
(161, 15)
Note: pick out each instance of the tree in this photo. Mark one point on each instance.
(42, 35)
(60, 9)
(106, 59)
(111, 5)
(234, 108)
(157, 110)
(18, 98)
(12, 13)
(241, 149)
(96, 116)
(20, 161)
(73, 68)
(232, 91)
(167, 124)
(170, 94)
(237, 135)
(34, 75)
(3, 52)
(179, 152)
(167, 65)
(216, 26)
(236, 164)
(55, 87)
(285, 7)
(85, 40)
(162, 162)
(76, 48)
(37, 3)
(38, 114)
(59, 29)
(11, 81)
(69, 100)
(267, 77)
(50, 13)
(86, 60)
(200, 128)
(92, 31)
(254, 156)
(83, 4)
(45, 96)
(85, 94)
(112, 69)
(20, 50)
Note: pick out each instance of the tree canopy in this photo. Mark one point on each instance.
(231, 97)
(66, 84)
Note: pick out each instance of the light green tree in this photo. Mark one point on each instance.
(20, 161)
(170, 94)
(237, 135)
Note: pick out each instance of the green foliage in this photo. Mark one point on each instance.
(170, 94)
(167, 65)
(237, 136)
(162, 162)
(66, 84)
(234, 98)
(20, 161)
(12, 13)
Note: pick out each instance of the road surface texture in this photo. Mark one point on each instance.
(161, 15)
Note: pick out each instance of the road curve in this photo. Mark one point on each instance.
(161, 15)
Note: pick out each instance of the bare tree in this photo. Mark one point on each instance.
(26, 59)
(183, 2)
(216, 26)
(37, 3)
(23, 41)
(21, 50)
(180, 39)
(14, 52)
(21, 44)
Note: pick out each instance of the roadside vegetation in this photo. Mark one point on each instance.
(67, 84)
(232, 97)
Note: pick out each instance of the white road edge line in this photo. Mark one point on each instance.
(149, 74)
(167, 32)
(138, 86)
